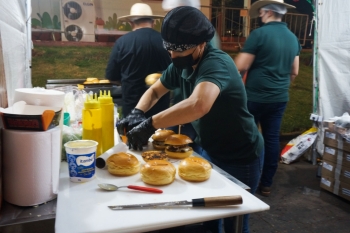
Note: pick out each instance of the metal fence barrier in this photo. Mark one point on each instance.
(233, 26)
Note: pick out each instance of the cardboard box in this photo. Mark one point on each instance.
(327, 183)
(344, 190)
(336, 172)
(329, 169)
(344, 176)
(334, 139)
(29, 117)
(336, 156)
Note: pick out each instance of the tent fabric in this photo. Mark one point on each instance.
(13, 13)
(13, 30)
(13, 48)
(333, 60)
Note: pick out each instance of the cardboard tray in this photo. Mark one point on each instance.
(29, 117)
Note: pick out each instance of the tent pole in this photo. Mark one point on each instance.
(315, 61)
(28, 73)
(315, 77)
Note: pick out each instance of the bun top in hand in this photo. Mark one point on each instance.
(159, 138)
(161, 135)
(178, 139)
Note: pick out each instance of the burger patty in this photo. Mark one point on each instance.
(180, 148)
(158, 143)
(154, 155)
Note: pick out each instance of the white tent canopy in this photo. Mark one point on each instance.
(16, 51)
(332, 61)
(333, 57)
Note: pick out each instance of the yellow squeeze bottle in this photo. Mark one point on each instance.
(107, 109)
(91, 120)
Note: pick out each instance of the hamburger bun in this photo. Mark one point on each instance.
(104, 81)
(159, 138)
(152, 78)
(177, 146)
(123, 164)
(158, 172)
(194, 169)
(92, 79)
(154, 155)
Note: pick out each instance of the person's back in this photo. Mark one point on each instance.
(136, 55)
(275, 48)
(271, 57)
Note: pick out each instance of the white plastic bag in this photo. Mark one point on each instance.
(297, 146)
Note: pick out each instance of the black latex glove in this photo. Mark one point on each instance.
(130, 121)
(139, 135)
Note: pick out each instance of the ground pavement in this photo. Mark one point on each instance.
(298, 204)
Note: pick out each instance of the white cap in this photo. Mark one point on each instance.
(140, 10)
(171, 4)
(278, 8)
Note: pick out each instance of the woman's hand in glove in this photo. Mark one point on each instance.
(139, 135)
(130, 121)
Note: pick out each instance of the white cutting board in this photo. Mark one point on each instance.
(82, 207)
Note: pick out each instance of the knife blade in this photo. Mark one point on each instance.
(198, 202)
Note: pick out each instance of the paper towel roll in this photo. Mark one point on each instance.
(40, 96)
(31, 162)
(101, 160)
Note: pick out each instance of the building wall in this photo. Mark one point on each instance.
(46, 13)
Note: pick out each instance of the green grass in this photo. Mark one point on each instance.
(299, 108)
(68, 63)
(83, 62)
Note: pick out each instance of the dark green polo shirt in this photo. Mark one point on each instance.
(228, 131)
(275, 48)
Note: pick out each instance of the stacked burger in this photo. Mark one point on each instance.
(176, 146)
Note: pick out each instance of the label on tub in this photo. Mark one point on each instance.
(81, 167)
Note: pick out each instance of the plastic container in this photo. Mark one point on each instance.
(107, 110)
(66, 119)
(92, 123)
(81, 158)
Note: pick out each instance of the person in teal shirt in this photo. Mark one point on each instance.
(271, 56)
(187, 129)
(214, 100)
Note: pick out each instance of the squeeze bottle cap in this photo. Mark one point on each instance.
(91, 102)
(104, 98)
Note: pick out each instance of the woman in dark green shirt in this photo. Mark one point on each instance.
(271, 53)
(214, 100)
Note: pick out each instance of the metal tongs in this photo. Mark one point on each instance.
(199, 202)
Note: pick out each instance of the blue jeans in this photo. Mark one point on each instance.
(188, 130)
(269, 116)
(249, 174)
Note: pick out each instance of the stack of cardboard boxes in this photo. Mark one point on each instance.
(336, 164)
